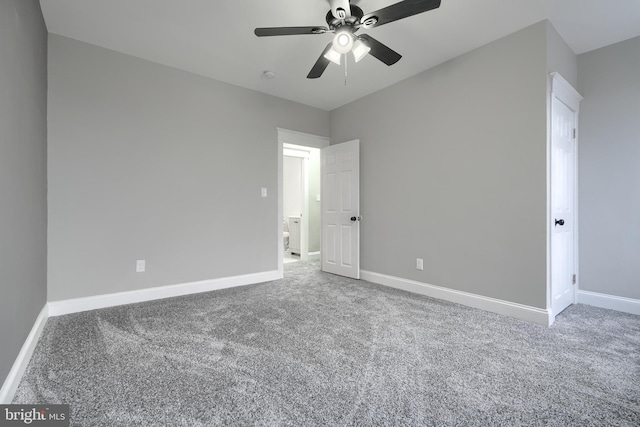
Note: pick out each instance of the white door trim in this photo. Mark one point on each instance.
(562, 90)
(286, 136)
(304, 221)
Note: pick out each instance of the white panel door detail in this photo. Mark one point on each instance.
(340, 198)
(562, 205)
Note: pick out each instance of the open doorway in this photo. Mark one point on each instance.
(300, 202)
(299, 196)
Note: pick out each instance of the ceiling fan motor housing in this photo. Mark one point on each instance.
(350, 20)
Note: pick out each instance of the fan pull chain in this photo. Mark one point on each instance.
(346, 61)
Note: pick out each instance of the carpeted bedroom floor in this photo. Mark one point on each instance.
(318, 349)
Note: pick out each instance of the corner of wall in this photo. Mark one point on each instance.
(12, 381)
(560, 56)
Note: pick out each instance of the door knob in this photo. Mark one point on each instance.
(355, 218)
(559, 221)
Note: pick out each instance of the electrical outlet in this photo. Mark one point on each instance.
(140, 266)
(419, 264)
(263, 192)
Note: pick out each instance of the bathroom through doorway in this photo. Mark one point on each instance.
(299, 219)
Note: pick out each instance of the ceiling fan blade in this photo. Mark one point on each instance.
(321, 64)
(380, 51)
(397, 11)
(289, 31)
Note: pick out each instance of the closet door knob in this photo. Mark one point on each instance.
(559, 221)
(355, 218)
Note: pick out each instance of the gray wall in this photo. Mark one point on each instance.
(609, 172)
(560, 57)
(23, 172)
(149, 162)
(453, 170)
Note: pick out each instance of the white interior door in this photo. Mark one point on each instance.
(340, 204)
(563, 161)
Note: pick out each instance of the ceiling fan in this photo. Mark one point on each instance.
(344, 20)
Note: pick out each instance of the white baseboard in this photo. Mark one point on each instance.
(612, 302)
(12, 381)
(314, 256)
(57, 308)
(519, 311)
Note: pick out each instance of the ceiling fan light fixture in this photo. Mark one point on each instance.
(343, 41)
(343, 20)
(360, 50)
(333, 56)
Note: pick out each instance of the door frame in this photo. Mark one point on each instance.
(286, 136)
(561, 89)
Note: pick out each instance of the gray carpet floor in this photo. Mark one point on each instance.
(318, 349)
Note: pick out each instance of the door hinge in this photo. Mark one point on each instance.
(573, 280)
(574, 133)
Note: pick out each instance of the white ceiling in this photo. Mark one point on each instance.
(215, 38)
